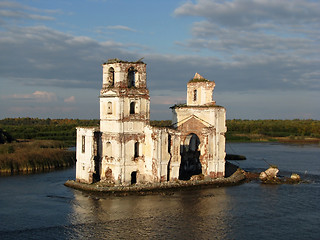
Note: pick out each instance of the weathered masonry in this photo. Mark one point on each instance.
(126, 150)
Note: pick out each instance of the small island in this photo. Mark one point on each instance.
(22, 131)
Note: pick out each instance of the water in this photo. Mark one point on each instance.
(39, 206)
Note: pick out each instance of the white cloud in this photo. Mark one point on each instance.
(244, 45)
(245, 13)
(251, 25)
(16, 11)
(121, 27)
(71, 99)
(37, 96)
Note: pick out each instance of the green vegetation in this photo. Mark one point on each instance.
(45, 151)
(45, 129)
(238, 130)
(5, 137)
(34, 156)
(273, 130)
(198, 80)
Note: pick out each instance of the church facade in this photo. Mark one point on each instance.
(125, 149)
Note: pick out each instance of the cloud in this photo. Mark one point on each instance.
(49, 57)
(246, 13)
(243, 45)
(121, 27)
(251, 25)
(71, 99)
(37, 96)
(260, 41)
(40, 56)
(13, 11)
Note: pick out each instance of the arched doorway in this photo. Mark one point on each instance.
(190, 162)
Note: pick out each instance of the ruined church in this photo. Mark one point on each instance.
(125, 149)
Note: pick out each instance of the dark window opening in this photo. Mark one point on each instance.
(131, 77)
(195, 95)
(136, 150)
(168, 171)
(134, 177)
(111, 77)
(83, 144)
(132, 107)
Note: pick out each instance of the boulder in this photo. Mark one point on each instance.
(295, 177)
(270, 173)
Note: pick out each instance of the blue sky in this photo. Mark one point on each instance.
(262, 54)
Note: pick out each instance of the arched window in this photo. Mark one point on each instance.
(109, 108)
(195, 95)
(194, 143)
(132, 107)
(111, 77)
(136, 149)
(131, 77)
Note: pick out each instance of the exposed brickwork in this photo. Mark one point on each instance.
(127, 150)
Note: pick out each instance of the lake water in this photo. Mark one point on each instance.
(39, 206)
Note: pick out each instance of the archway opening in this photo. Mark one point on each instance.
(190, 154)
(131, 77)
(136, 150)
(111, 77)
(132, 108)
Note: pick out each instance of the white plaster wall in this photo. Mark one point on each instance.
(204, 93)
(85, 162)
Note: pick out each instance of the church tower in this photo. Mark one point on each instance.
(202, 124)
(124, 113)
(125, 149)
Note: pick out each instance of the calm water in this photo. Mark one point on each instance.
(40, 207)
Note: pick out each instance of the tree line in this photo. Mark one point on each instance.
(65, 129)
(44, 129)
(276, 128)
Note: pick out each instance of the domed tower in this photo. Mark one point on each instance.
(124, 112)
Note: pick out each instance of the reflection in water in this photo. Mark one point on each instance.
(184, 215)
(39, 206)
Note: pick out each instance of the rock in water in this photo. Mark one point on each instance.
(295, 176)
(270, 173)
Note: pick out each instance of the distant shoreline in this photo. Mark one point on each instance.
(251, 138)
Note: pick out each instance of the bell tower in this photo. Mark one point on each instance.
(124, 113)
(200, 91)
(124, 97)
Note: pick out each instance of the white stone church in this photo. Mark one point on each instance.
(126, 150)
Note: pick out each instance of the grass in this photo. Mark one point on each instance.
(34, 156)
